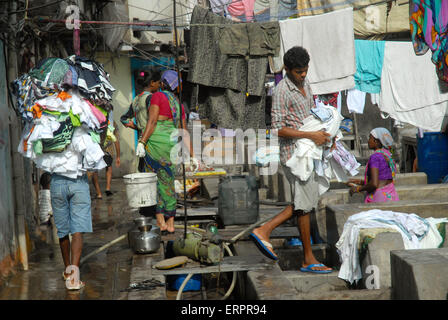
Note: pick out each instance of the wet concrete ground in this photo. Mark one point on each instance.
(105, 274)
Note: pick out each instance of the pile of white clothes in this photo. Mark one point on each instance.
(308, 157)
(417, 233)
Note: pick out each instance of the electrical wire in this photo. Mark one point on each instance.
(148, 55)
(38, 7)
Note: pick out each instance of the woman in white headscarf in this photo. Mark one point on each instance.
(378, 182)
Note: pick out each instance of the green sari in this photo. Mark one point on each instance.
(157, 158)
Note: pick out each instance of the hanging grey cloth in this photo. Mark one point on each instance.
(251, 39)
(230, 109)
(209, 67)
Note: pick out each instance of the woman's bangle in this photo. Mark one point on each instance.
(140, 140)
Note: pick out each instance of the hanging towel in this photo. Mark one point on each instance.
(369, 65)
(330, 45)
(410, 89)
(356, 101)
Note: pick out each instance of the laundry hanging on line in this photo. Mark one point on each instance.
(330, 45)
(429, 24)
(423, 101)
(369, 65)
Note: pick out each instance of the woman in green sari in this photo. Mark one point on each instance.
(155, 147)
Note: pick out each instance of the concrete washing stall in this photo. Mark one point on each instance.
(284, 281)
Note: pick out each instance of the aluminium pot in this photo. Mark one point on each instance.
(145, 241)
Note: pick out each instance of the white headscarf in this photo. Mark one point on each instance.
(383, 135)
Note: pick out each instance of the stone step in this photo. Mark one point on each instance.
(364, 294)
(401, 179)
(419, 274)
(314, 282)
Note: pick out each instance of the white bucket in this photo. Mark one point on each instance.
(141, 189)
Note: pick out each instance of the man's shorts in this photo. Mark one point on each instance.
(70, 199)
(108, 159)
(305, 194)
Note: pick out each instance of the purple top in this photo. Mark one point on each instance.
(377, 160)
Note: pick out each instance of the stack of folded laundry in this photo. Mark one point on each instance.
(64, 104)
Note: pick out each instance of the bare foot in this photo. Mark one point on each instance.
(263, 236)
(170, 224)
(161, 222)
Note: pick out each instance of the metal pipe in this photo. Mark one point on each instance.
(179, 87)
(143, 24)
(17, 163)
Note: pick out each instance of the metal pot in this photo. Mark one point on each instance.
(142, 221)
(145, 241)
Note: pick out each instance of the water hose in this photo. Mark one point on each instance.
(107, 245)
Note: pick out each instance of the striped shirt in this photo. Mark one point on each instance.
(289, 108)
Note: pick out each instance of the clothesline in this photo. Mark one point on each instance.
(118, 24)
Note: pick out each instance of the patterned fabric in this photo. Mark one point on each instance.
(428, 24)
(140, 107)
(384, 136)
(174, 106)
(384, 194)
(289, 108)
(158, 160)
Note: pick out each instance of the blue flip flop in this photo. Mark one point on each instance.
(308, 268)
(263, 246)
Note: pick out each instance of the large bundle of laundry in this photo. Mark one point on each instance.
(64, 104)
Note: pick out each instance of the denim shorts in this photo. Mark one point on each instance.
(70, 200)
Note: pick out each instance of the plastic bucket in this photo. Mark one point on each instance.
(141, 189)
(432, 153)
(194, 284)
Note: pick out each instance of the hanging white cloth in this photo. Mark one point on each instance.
(330, 45)
(410, 89)
(356, 101)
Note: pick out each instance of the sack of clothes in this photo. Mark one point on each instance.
(64, 104)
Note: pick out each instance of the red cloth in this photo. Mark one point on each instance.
(161, 100)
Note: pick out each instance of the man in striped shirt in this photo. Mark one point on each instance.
(291, 104)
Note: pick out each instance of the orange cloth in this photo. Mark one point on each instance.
(64, 95)
(25, 141)
(37, 110)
